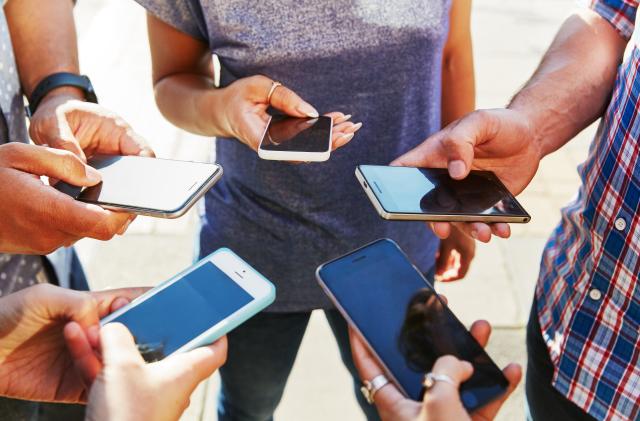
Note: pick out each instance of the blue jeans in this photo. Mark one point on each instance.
(261, 354)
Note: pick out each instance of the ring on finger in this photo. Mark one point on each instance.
(430, 380)
(370, 388)
(274, 86)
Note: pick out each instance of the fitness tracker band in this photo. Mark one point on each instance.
(57, 80)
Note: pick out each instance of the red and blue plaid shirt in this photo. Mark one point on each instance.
(588, 293)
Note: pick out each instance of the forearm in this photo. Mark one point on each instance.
(187, 101)
(572, 85)
(44, 41)
(458, 85)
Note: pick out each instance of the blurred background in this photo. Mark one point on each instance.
(509, 40)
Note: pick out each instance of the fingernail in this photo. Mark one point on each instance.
(125, 227)
(93, 175)
(347, 136)
(457, 169)
(357, 126)
(474, 234)
(345, 118)
(308, 110)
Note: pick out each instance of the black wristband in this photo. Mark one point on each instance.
(57, 80)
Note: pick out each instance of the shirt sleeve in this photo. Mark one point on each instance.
(619, 13)
(184, 15)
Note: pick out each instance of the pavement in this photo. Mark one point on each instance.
(510, 37)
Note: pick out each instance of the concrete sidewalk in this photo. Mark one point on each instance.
(509, 37)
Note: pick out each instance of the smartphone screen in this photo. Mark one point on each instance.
(404, 321)
(144, 183)
(432, 191)
(289, 134)
(175, 315)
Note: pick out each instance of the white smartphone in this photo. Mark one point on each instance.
(297, 139)
(146, 186)
(430, 194)
(195, 307)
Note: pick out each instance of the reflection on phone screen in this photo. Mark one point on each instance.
(433, 191)
(289, 134)
(405, 322)
(175, 315)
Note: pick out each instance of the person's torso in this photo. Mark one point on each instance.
(377, 60)
(589, 290)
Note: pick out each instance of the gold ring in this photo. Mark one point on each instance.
(274, 86)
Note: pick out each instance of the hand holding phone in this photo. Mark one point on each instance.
(305, 139)
(196, 307)
(162, 188)
(404, 322)
(430, 194)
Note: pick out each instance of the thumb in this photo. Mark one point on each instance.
(287, 101)
(53, 163)
(458, 371)
(118, 347)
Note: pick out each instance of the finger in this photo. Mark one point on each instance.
(501, 230)
(476, 230)
(442, 230)
(458, 371)
(481, 331)
(109, 301)
(43, 161)
(426, 155)
(444, 258)
(85, 360)
(444, 299)
(117, 346)
(465, 263)
(345, 128)
(86, 220)
(513, 373)
(339, 117)
(284, 99)
(191, 368)
(342, 140)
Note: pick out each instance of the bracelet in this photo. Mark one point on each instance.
(57, 80)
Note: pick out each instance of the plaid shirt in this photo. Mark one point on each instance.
(589, 291)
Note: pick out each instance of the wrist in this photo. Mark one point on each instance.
(63, 93)
(211, 111)
(526, 117)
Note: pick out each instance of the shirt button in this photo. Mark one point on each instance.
(595, 294)
(620, 224)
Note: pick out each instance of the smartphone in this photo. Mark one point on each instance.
(430, 194)
(161, 188)
(404, 322)
(195, 307)
(297, 139)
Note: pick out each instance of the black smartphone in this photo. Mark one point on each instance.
(404, 322)
(297, 139)
(430, 194)
(162, 188)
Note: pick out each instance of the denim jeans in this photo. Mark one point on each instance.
(261, 354)
(545, 402)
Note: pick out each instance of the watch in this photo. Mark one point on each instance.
(57, 80)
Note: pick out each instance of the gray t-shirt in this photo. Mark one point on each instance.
(376, 59)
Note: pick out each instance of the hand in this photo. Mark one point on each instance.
(442, 402)
(244, 111)
(129, 389)
(454, 256)
(36, 218)
(499, 140)
(83, 128)
(35, 363)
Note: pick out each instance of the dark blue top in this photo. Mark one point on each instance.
(378, 60)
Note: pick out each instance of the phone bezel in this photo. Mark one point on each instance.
(255, 284)
(204, 186)
(365, 183)
(295, 155)
(351, 323)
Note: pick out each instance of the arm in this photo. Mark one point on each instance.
(458, 98)
(568, 91)
(186, 94)
(458, 80)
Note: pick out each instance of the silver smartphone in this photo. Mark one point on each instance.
(155, 187)
(430, 194)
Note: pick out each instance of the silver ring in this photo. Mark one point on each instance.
(274, 86)
(430, 380)
(370, 388)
